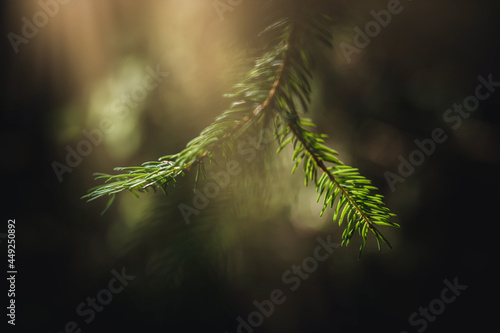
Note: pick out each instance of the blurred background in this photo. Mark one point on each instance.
(79, 71)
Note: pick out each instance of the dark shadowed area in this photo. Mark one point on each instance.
(412, 100)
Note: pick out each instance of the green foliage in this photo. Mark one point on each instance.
(276, 88)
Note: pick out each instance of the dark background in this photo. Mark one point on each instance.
(202, 276)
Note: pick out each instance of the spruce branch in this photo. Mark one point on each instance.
(252, 99)
(278, 86)
(343, 187)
